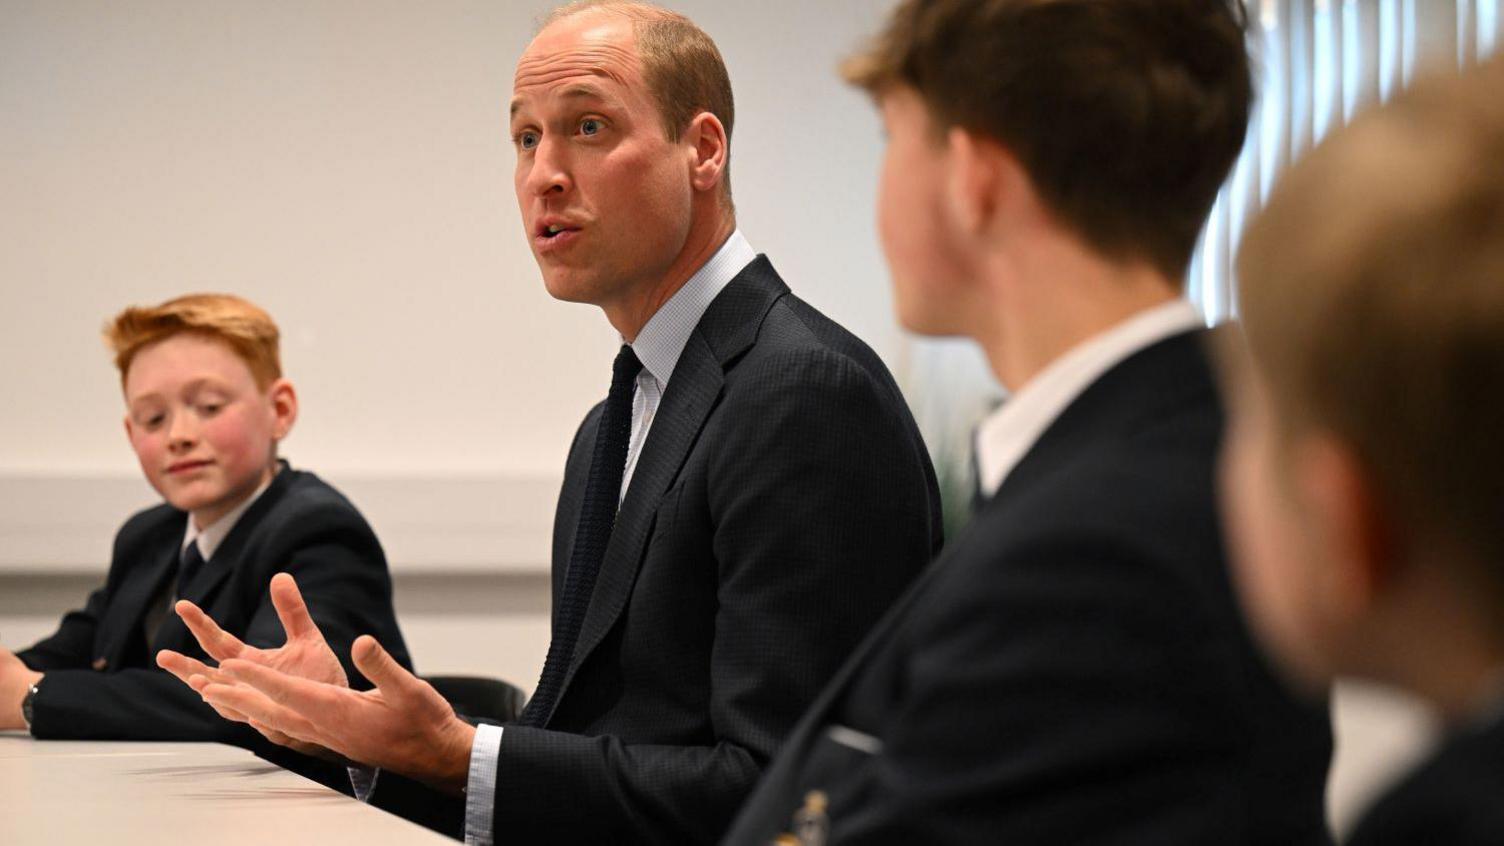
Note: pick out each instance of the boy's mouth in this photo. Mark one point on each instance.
(188, 466)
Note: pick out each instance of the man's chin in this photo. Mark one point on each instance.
(567, 286)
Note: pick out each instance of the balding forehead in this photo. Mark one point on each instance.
(601, 60)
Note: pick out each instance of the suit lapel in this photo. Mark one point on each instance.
(727, 329)
(145, 582)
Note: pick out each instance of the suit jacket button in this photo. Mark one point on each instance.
(100, 664)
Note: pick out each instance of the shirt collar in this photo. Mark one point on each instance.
(661, 341)
(211, 536)
(1010, 432)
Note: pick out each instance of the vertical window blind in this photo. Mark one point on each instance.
(1318, 63)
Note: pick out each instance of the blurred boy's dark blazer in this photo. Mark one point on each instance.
(1452, 798)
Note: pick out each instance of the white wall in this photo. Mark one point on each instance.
(345, 164)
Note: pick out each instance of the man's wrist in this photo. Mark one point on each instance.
(455, 762)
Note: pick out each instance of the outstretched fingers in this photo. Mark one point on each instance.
(183, 667)
(218, 643)
(261, 711)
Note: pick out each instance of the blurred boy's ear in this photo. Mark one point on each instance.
(284, 407)
(985, 180)
(1349, 522)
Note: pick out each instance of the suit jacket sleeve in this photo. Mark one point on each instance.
(330, 552)
(72, 644)
(819, 505)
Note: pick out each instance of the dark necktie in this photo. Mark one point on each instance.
(591, 535)
(190, 563)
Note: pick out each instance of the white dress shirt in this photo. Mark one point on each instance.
(1010, 432)
(658, 346)
(211, 536)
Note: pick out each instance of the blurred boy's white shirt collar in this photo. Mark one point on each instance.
(211, 536)
(1008, 434)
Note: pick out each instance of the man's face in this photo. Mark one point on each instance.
(1282, 566)
(201, 428)
(915, 222)
(605, 196)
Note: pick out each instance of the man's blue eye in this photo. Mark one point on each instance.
(590, 126)
(527, 140)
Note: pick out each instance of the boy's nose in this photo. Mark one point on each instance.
(182, 432)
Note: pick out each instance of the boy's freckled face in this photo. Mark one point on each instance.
(204, 432)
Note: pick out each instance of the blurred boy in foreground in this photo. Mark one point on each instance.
(1364, 473)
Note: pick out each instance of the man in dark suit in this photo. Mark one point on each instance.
(1073, 669)
(206, 406)
(748, 500)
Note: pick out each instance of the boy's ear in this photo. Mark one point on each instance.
(130, 431)
(982, 178)
(284, 407)
(1356, 532)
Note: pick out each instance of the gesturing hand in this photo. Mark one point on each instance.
(305, 654)
(403, 725)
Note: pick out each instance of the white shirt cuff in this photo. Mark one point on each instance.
(480, 791)
(363, 781)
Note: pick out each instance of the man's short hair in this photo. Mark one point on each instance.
(680, 63)
(247, 330)
(1372, 294)
(1127, 114)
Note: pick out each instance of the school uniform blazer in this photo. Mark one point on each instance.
(782, 501)
(102, 681)
(1453, 798)
(1073, 669)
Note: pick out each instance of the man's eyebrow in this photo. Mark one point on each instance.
(578, 91)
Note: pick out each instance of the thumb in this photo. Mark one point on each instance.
(291, 610)
(377, 665)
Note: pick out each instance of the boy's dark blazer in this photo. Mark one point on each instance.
(102, 682)
(1453, 798)
(1073, 669)
(783, 499)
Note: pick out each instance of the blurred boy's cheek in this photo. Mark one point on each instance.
(1272, 564)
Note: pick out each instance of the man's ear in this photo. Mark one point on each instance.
(1349, 520)
(707, 137)
(284, 407)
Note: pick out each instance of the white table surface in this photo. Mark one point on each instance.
(167, 793)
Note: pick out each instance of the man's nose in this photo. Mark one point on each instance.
(549, 171)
